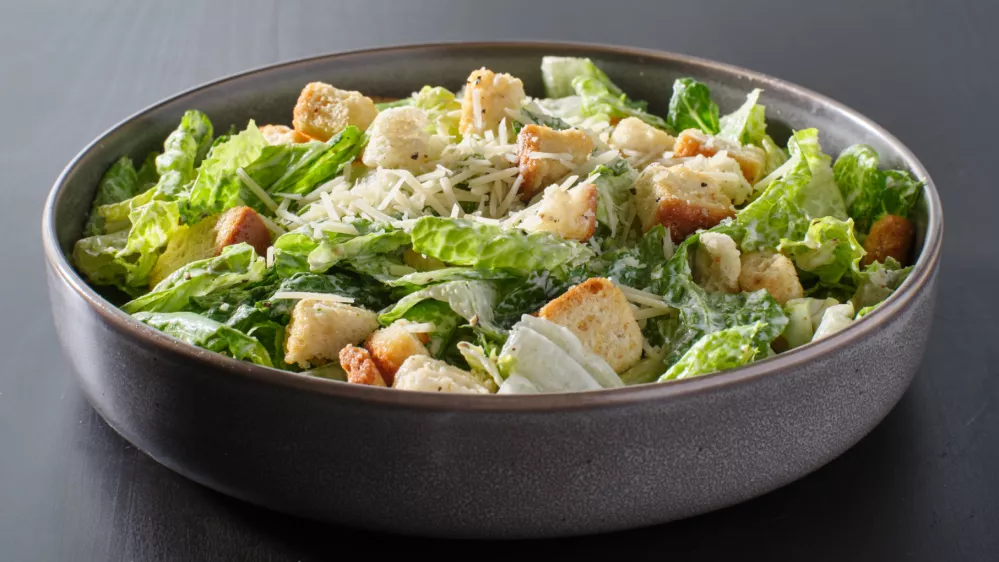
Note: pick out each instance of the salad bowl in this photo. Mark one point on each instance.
(487, 466)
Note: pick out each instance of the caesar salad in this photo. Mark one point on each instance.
(486, 241)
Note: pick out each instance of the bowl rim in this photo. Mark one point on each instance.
(925, 266)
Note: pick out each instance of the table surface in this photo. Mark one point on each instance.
(922, 486)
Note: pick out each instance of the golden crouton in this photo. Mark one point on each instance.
(598, 313)
(716, 263)
(391, 346)
(279, 134)
(242, 224)
(398, 138)
(634, 134)
(319, 330)
(770, 271)
(323, 111)
(538, 171)
(681, 199)
(752, 160)
(427, 374)
(490, 95)
(208, 237)
(359, 366)
(890, 236)
(570, 214)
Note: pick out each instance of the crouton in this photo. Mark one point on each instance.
(241, 224)
(318, 331)
(391, 346)
(634, 134)
(538, 172)
(752, 159)
(598, 313)
(398, 138)
(681, 199)
(359, 366)
(725, 173)
(890, 236)
(490, 95)
(570, 214)
(716, 263)
(773, 272)
(323, 111)
(208, 237)
(279, 134)
(420, 372)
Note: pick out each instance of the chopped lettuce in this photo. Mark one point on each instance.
(691, 107)
(445, 320)
(803, 317)
(237, 264)
(615, 205)
(746, 125)
(634, 266)
(216, 187)
(878, 281)
(829, 250)
(869, 192)
(183, 151)
(208, 334)
(834, 319)
(557, 73)
(718, 351)
(530, 353)
(119, 183)
(472, 300)
(331, 252)
(442, 108)
(467, 243)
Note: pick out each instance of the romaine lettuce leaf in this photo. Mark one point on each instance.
(834, 319)
(718, 351)
(746, 125)
(472, 300)
(869, 192)
(183, 151)
(329, 253)
(691, 107)
(829, 250)
(237, 264)
(119, 183)
(615, 203)
(96, 257)
(481, 363)
(421, 278)
(557, 73)
(530, 354)
(208, 334)
(804, 190)
(446, 322)
(442, 109)
(212, 190)
(467, 243)
(634, 266)
(564, 76)
(520, 296)
(878, 281)
(803, 317)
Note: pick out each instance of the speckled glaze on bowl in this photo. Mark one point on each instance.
(484, 466)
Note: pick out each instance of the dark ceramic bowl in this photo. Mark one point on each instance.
(484, 466)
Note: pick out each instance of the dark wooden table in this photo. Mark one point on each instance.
(923, 486)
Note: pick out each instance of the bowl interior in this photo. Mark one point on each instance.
(269, 94)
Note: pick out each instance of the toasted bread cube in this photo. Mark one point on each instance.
(599, 314)
(360, 368)
(241, 224)
(681, 199)
(537, 169)
(716, 263)
(420, 372)
(279, 134)
(319, 330)
(773, 272)
(724, 172)
(323, 111)
(890, 236)
(391, 346)
(488, 95)
(570, 214)
(208, 237)
(752, 159)
(632, 133)
(398, 138)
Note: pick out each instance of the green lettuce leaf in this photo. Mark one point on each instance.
(329, 253)
(472, 300)
(615, 203)
(466, 243)
(691, 107)
(446, 322)
(96, 257)
(211, 192)
(869, 192)
(599, 98)
(208, 334)
(878, 281)
(746, 125)
(835, 318)
(803, 317)
(183, 151)
(237, 264)
(119, 183)
(557, 73)
(829, 250)
(718, 351)
(634, 266)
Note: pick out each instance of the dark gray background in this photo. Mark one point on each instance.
(923, 486)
